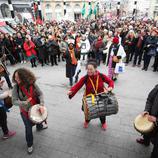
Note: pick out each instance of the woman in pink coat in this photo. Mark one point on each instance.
(29, 48)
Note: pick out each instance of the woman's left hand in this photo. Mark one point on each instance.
(151, 118)
(41, 110)
(109, 89)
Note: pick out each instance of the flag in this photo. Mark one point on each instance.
(90, 10)
(95, 11)
(83, 9)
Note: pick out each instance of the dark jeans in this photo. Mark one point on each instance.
(28, 130)
(147, 59)
(3, 120)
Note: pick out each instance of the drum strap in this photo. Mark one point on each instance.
(97, 83)
(32, 102)
(95, 89)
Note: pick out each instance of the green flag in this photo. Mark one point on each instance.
(95, 9)
(83, 9)
(90, 10)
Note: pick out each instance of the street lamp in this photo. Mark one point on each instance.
(135, 9)
(64, 8)
(118, 9)
(39, 9)
(11, 9)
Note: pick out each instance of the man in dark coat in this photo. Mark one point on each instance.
(151, 109)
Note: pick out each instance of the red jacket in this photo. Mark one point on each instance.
(89, 88)
(29, 49)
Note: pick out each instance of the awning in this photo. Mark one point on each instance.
(22, 8)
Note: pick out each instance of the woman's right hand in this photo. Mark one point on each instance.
(29, 99)
(69, 93)
(145, 113)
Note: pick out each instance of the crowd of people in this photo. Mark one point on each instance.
(48, 43)
(99, 41)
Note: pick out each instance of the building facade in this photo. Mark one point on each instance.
(54, 9)
(22, 8)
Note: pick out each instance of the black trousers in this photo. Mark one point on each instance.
(3, 120)
(153, 137)
(137, 56)
(104, 58)
(33, 62)
(156, 63)
(53, 59)
(147, 59)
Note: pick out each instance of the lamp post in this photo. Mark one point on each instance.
(135, 9)
(39, 9)
(64, 8)
(118, 9)
(11, 9)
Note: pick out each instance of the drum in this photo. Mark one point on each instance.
(115, 59)
(99, 105)
(142, 124)
(35, 115)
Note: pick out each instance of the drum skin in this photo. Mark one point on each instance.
(142, 125)
(35, 115)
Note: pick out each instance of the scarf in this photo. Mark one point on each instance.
(73, 58)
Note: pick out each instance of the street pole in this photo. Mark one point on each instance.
(39, 9)
(118, 9)
(33, 10)
(11, 9)
(64, 8)
(135, 9)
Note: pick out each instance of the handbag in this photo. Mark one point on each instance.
(8, 102)
(120, 68)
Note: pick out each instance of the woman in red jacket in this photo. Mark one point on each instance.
(29, 47)
(94, 82)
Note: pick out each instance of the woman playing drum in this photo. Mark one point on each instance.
(94, 82)
(151, 112)
(25, 94)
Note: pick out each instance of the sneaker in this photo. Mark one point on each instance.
(30, 150)
(85, 125)
(142, 142)
(10, 134)
(25, 62)
(104, 126)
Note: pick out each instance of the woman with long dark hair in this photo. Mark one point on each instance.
(25, 94)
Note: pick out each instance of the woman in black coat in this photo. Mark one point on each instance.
(71, 62)
(151, 109)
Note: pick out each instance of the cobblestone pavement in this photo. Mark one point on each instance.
(66, 137)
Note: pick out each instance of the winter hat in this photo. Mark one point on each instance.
(115, 40)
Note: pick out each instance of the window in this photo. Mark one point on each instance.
(49, 16)
(5, 10)
(48, 6)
